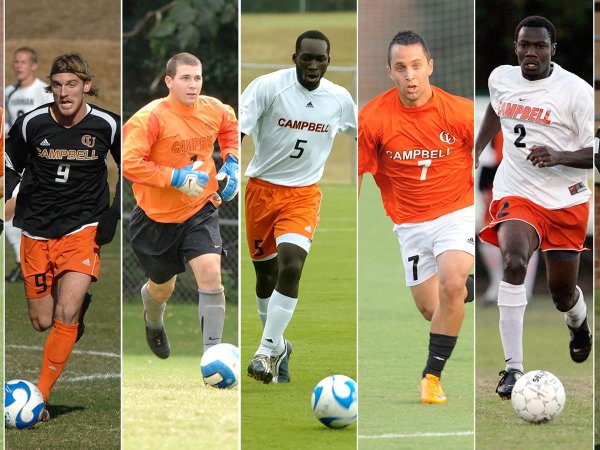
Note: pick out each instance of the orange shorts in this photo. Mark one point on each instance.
(273, 210)
(43, 261)
(557, 229)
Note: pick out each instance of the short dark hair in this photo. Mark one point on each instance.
(73, 63)
(32, 53)
(537, 22)
(408, 37)
(186, 59)
(311, 34)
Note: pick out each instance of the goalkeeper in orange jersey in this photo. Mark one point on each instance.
(168, 155)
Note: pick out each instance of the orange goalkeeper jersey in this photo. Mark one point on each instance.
(421, 158)
(166, 134)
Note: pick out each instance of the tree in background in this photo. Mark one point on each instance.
(153, 32)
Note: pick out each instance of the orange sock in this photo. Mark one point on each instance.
(59, 344)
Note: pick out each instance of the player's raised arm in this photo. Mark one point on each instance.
(490, 126)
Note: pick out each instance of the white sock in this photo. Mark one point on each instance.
(512, 301)
(577, 314)
(13, 235)
(281, 309)
(154, 310)
(532, 266)
(262, 304)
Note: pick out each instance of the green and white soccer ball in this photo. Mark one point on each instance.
(538, 396)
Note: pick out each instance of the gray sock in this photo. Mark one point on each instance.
(211, 311)
(153, 310)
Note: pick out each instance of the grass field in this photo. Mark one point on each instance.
(545, 347)
(323, 331)
(260, 46)
(85, 405)
(392, 348)
(165, 402)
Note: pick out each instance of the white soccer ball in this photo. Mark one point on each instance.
(335, 401)
(220, 366)
(23, 404)
(538, 396)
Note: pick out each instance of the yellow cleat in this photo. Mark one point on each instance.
(431, 390)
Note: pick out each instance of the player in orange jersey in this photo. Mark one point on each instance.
(416, 140)
(168, 154)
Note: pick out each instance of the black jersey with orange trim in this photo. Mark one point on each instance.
(63, 171)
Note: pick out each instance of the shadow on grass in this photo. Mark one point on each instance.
(60, 410)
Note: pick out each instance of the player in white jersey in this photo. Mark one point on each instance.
(25, 94)
(293, 116)
(540, 193)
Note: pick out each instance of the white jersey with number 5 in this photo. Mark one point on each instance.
(293, 128)
(558, 112)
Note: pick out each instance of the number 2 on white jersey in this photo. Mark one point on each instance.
(63, 173)
(425, 163)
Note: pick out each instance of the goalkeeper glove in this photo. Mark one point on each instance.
(231, 171)
(188, 180)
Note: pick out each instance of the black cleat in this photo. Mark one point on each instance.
(470, 285)
(580, 342)
(158, 341)
(87, 299)
(260, 368)
(15, 275)
(281, 369)
(507, 382)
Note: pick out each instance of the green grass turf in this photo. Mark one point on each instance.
(270, 39)
(545, 347)
(165, 402)
(86, 413)
(323, 332)
(392, 345)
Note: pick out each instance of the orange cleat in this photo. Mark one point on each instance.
(431, 390)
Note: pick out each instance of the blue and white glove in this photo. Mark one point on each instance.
(231, 171)
(189, 180)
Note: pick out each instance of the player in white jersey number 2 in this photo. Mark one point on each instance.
(293, 116)
(540, 193)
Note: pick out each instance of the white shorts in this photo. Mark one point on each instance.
(422, 242)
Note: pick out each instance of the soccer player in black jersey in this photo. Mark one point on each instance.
(58, 153)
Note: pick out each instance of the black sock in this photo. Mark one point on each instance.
(440, 349)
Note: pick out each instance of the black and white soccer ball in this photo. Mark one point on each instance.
(538, 396)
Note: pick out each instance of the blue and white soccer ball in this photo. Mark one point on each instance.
(335, 401)
(23, 404)
(538, 396)
(220, 366)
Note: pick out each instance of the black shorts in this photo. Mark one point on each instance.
(162, 249)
